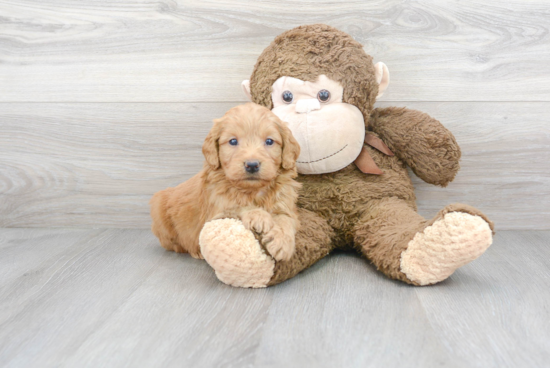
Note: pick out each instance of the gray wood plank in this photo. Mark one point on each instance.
(496, 308)
(31, 258)
(180, 316)
(105, 51)
(92, 290)
(343, 313)
(71, 296)
(115, 298)
(491, 313)
(98, 164)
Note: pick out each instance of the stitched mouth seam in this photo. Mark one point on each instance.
(321, 159)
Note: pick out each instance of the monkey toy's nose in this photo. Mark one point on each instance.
(307, 105)
(252, 166)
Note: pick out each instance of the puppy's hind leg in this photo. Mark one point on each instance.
(162, 225)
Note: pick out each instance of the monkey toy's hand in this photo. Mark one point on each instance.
(425, 145)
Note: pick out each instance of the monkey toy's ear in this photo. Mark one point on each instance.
(246, 89)
(382, 77)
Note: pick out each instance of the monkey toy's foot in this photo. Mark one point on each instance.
(235, 254)
(447, 244)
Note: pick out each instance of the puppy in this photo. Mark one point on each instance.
(248, 174)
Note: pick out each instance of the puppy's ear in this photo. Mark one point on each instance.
(291, 148)
(210, 147)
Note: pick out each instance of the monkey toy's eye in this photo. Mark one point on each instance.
(269, 141)
(233, 142)
(323, 95)
(288, 96)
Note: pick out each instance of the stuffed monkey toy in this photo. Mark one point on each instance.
(356, 192)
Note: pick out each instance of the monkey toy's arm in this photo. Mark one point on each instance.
(421, 141)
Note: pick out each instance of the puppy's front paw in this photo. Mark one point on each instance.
(257, 220)
(279, 244)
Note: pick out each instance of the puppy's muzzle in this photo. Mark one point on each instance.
(252, 167)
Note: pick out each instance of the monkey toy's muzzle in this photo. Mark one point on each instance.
(330, 136)
(306, 105)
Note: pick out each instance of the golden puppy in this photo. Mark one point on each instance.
(248, 174)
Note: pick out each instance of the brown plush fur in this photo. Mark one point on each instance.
(308, 51)
(434, 157)
(313, 242)
(264, 201)
(376, 215)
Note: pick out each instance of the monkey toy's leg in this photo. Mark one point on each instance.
(405, 246)
(239, 260)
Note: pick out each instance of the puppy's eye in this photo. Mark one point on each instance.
(233, 142)
(288, 96)
(323, 95)
(269, 141)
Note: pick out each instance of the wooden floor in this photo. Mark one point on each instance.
(114, 298)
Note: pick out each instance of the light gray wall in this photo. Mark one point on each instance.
(103, 103)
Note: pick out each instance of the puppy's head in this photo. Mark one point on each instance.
(251, 145)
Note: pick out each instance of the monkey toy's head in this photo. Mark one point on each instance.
(323, 84)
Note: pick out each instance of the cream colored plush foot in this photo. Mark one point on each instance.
(235, 254)
(449, 243)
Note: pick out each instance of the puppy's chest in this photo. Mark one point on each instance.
(263, 199)
(236, 200)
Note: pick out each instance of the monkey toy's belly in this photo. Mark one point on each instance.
(344, 196)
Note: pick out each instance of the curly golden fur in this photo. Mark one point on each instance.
(262, 195)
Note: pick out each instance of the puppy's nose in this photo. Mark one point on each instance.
(307, 105)
(252, 166)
